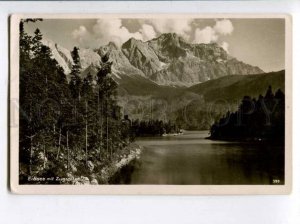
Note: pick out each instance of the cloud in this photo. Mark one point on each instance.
(83, 36)
(225, 46)
(211, 34)
(104, 31)
(206, 35)
(179, 26)
(147, 32)
(112, 30)
(223, 27)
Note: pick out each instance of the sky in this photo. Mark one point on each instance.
(259, 42)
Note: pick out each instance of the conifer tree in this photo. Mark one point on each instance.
(36, 40)
(51, 139)
(42, 93)
(75, 82)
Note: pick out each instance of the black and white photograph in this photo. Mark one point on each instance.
(140, 101)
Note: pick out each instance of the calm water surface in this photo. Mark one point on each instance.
(192, 159)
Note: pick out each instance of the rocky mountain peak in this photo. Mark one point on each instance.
(169, 37)
(132, 40)
(102, 50)
(142, 56)
(60, 54)
(170, 60)
(121, 65)
(112, 46)
(65, 60)
(165, 60)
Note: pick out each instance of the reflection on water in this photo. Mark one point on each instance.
(192, 159)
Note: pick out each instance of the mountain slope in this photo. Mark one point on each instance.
(234, 87)
(121, 66)
(166, 60)
(142, 56)
(228, 88)
(64, 58)
(197, 106)
(169, 60)
(60, 54)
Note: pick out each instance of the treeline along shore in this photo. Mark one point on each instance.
(261, 119)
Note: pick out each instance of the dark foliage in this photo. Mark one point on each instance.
(66, 128)
(153, 128)
(256, 119)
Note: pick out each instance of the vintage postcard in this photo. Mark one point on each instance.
(150, 104)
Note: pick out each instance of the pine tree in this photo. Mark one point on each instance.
(75, 82)
(26, 132)
(106, 87)
(37, 44)
(43, 92)
(51, 139)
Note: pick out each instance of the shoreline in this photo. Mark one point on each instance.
(107, 172)
(247, 140)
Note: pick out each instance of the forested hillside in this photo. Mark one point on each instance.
(234, 87)
(196, 107)
(255, 120)
(72, 129)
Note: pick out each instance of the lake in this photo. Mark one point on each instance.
(191, 159)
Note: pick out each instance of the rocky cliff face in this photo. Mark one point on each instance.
(142, 56)
(63, 56)
(167, 60)
(121, 66)
(60, 54)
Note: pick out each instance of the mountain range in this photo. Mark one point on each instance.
(169, 79)
(167, 60)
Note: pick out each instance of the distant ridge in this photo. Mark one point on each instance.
(234, 87)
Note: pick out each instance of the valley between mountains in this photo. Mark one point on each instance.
(167, 78)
